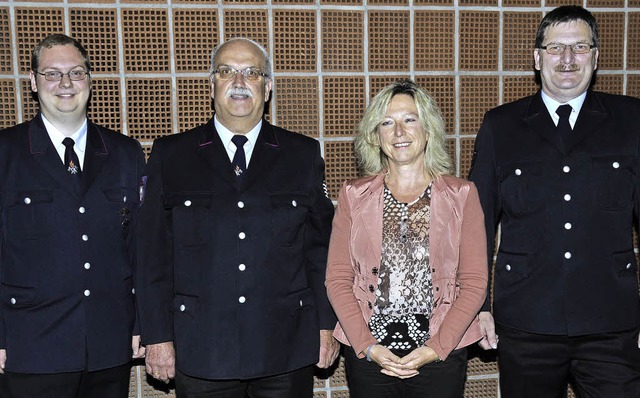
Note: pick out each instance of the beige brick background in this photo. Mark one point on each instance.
(150, 60)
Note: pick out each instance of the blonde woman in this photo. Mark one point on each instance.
(407, 260)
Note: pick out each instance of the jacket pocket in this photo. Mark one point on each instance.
(522, 187)
(121, 195)
(15, 297)
(511, 267)
(298, 301)
(191, 212)
(613, 179)
(624, 264)
(29, 214)
(185, 305)
(288, 214)
(121, 203)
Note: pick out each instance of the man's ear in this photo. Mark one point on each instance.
(213, 89)
(267, 89)
(34, 85)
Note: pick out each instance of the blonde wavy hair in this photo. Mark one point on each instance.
(372, 160)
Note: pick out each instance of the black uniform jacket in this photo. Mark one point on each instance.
(66, 259)
(234, 274)
(565, 263)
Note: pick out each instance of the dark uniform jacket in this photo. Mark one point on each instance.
(566, 263)
(234, 274)
(66, 260)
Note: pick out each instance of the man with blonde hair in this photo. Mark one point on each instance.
(68, 207)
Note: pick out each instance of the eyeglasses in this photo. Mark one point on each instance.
(227, 73)
(576, 48)
(56, 75)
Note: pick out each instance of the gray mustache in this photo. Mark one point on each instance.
(567, 68)
(239, 91)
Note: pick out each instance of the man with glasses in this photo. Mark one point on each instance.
(559, 171)
(69, 193)
(234, 234)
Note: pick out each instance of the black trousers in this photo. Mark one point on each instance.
(600, 366)
(107, 383)
(437, 379)
(296, 384)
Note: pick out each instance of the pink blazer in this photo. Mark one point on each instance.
(458, 258)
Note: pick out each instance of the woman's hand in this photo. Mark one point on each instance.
(390, 363)
(419, 357)
(409, 364)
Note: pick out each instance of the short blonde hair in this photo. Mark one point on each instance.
(372, 160)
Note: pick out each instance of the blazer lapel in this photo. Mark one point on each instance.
(211, 149)
(537, 118)
(265, 154)
(45, 154)
(95, 156)
(592, 116)
(369, 207)
(442, 209)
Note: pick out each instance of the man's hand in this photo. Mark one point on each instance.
(488, 327)
(3, 360)
(161, 361)
(137, 349)
(329, 349)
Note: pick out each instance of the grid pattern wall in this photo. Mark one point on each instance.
(151, 57)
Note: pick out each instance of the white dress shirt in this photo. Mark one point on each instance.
(226, 135)
(575, 103)
(80, 138)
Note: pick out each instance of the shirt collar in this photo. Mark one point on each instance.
(226, 135)
(552, 104)
(56, 136)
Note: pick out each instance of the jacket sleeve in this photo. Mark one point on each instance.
(140, 162)
(483, 174)
(341, 277)
(317, 232)
(3, 337)
(154, 271)
(471, 280)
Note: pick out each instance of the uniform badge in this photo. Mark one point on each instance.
(73, 168)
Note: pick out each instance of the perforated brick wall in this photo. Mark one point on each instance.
(150, 61)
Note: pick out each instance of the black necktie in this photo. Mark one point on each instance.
(564, 128)
(71, 161)
(239, 160)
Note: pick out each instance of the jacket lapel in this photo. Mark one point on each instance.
(95, 156)
(265, 154)
(537, 118)
(442, 209)
(592, 116)
(369, 207)
(211, 149)
(46, 156)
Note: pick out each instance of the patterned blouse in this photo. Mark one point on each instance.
(404, 296)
